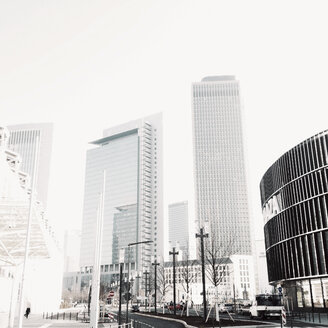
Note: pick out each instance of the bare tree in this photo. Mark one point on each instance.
(217, 257)
(187, 277)
(162, 283)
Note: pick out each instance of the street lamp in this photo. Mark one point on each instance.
(128, 280)
(138, 285)
(203, 235)
(174, 253)
(155, 264)
(146, 273)
(121, 282)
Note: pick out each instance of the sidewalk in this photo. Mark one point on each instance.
(36, 321)
(315, 318)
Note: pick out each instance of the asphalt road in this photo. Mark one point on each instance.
(268, 322)
(156, 322)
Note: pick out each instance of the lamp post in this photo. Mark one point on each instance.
(128, 280)
(203, 235)
(146, 273)
(174, 253)
(120, 297)
(155, 264)
(138, 277)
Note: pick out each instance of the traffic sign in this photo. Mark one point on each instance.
(283, 316)
(111, 293)
(280, 290)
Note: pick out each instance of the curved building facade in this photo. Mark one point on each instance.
(294, 196)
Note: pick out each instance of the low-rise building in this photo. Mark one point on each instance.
(235, 275)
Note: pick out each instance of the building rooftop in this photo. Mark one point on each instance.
(219, 78)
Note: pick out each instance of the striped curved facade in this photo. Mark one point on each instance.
(294, 196)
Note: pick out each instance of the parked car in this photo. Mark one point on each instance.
(135, 308)
(245, 310)
(177, 306)
(226, 307)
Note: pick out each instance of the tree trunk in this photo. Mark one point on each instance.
(187, 305)
(217, 317)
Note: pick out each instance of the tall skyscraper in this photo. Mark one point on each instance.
(23, 140)
(179, 226)
(219, 165)
(72, 241)
(131, 154)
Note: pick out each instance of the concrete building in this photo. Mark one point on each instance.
(179, 227)
(23, 140)
(219, 166)
(294, 195)
(131, 154)
(237, 279)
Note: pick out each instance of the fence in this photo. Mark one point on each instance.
(84, 317)
(315, 317)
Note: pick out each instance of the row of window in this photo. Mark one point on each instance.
(299, 257)
(299, 219)
(312, 293)
(216, 91)
(108, 268)
(305, 157)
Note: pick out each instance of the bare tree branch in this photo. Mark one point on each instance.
(217, 258)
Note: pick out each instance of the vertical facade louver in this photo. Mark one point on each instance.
(147, 162)
(294, 195)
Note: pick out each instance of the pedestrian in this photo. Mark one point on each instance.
(27, 312)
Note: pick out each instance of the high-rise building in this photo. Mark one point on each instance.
(131, 155)
(179, 226)
(23, 140)
(219, 166)
(72, 241)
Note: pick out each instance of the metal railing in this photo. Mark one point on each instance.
(314, 317)
(78, 316)
(84, 317)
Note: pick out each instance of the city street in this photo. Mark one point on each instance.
(36, 321)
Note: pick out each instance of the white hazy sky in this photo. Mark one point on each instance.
(90, 65)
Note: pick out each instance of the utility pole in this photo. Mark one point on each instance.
(146, 273)
(128, 280)
(120, 297)
(94, 313)
(174, 253)
(138, 285)
(203, 235)
(234, 297)
(127, 288)
(155, 264)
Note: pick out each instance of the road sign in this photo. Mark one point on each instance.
(283, 316)
(111, 293)
(280, 290)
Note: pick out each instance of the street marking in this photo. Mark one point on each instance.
(46, 325)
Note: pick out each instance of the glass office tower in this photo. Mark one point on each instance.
(179, 227)
(131, 154)
(219, 165)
